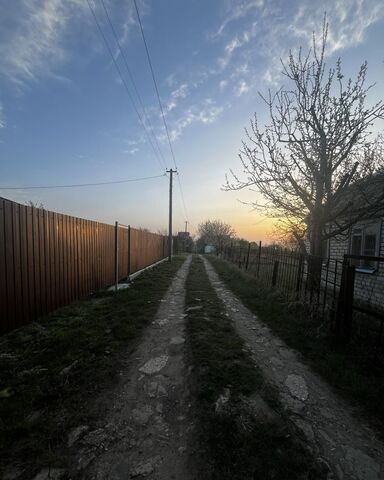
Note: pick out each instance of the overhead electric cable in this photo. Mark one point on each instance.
(146, 116)
(160, 103)
(124, 83)
(75, 185)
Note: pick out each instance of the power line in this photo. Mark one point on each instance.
(160, 103)
(146, 116)
(84, 184)
(182, 198)
(124, 82)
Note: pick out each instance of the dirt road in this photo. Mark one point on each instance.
(145, 429)
(350, 448)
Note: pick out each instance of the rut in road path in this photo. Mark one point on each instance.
(145, 429)
(350, 448)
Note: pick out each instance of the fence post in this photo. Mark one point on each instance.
(345, 303)
(129, 252)
(248, 251)
(116, 255)
(275, 270)
(299, 276)
(259, 259)
(348, 305)
(239, 262)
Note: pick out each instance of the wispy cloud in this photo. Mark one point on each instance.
(32, 35)
(241, 88)
(348, 21)
(236, 43)
(177, 94)
(223, 84)
(2, 117)
(35, 35)
(207, 113)
(131, 151)
(236, 11)
(259, 45)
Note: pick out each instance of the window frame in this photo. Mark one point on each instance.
(364, 226)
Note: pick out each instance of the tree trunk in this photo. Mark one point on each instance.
(315, 255)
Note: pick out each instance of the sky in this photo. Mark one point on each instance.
(66, 116)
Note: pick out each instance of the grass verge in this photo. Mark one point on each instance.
(346, 368)
(242, 431)
(50, 370)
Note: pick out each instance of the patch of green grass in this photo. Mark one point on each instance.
(346, 368)
(50, 370)
(236, 442)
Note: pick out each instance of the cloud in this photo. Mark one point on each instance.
(131, 151)
(32, 34)
(206, 114)
(236, 43)
(348, 21)
(223, 84)
(236, 12)
(36, 35)
(259, 45)
(2, 117)
(241, 88)
(178, 94)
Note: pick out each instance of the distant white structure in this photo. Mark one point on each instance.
(209, 249)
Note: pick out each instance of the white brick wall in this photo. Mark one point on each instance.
(369, 287)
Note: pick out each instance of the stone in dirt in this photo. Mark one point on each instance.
(163, 322)
(154, 365)
(96, 438)
(155, 389)
(142, 415)
(305, 428)
(177, 340)
(297, 387)
(76, 433)
(222, 400)
(50, 474)
(191, 309)
(260, 409)
(146, 467)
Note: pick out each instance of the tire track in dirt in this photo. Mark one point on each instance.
(145, 429)
(350, 448)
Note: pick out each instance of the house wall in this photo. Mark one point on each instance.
(369, 287)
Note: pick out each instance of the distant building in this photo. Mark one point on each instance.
(209, 249)
(184, 236)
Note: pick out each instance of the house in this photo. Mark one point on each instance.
(365, 237)
(209, 249)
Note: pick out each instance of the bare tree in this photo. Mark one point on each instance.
(31, 203)
(315, 163)
(216, 233)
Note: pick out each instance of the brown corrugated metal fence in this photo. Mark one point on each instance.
(48, 260)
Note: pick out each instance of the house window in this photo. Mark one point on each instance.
(365, 241)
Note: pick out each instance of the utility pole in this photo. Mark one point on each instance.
(185, 236)
(171, 172)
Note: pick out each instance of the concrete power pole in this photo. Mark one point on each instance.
(170, 239)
